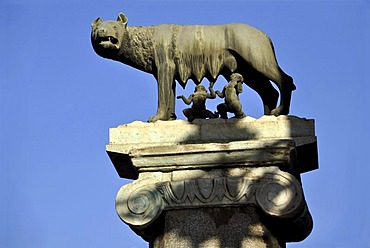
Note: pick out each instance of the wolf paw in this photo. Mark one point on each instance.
(161, 117)
(281, 110)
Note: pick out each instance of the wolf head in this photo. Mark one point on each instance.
(107, 36)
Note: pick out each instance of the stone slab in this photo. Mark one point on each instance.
(139, 134)
(176, 145)
(193, 156)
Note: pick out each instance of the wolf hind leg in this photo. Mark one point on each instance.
(269, 95)
(286, 87)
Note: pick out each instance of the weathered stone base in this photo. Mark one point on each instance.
(215, 183)
(215, 228)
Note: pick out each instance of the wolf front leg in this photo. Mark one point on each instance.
(166, 95)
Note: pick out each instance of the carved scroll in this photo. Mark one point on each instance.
(277, 194)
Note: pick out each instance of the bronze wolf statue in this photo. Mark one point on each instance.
(180, 52)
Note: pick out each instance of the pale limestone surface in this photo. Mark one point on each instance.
(139, 134)
(211, 166)
(165, 145)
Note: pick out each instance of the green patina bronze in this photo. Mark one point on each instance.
(180, 52)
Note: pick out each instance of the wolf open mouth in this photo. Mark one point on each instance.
(108, 42)
(110, 39)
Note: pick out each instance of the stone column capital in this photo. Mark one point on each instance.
(276, 193)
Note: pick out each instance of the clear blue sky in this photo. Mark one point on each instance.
(58, 100)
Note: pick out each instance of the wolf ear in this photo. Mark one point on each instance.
(122, 18)
(96, 22)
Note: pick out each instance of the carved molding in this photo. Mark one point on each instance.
(141, 147)
(277, 194)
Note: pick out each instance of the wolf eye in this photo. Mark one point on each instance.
(115, 27)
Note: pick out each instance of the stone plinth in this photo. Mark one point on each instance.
(199, 184)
